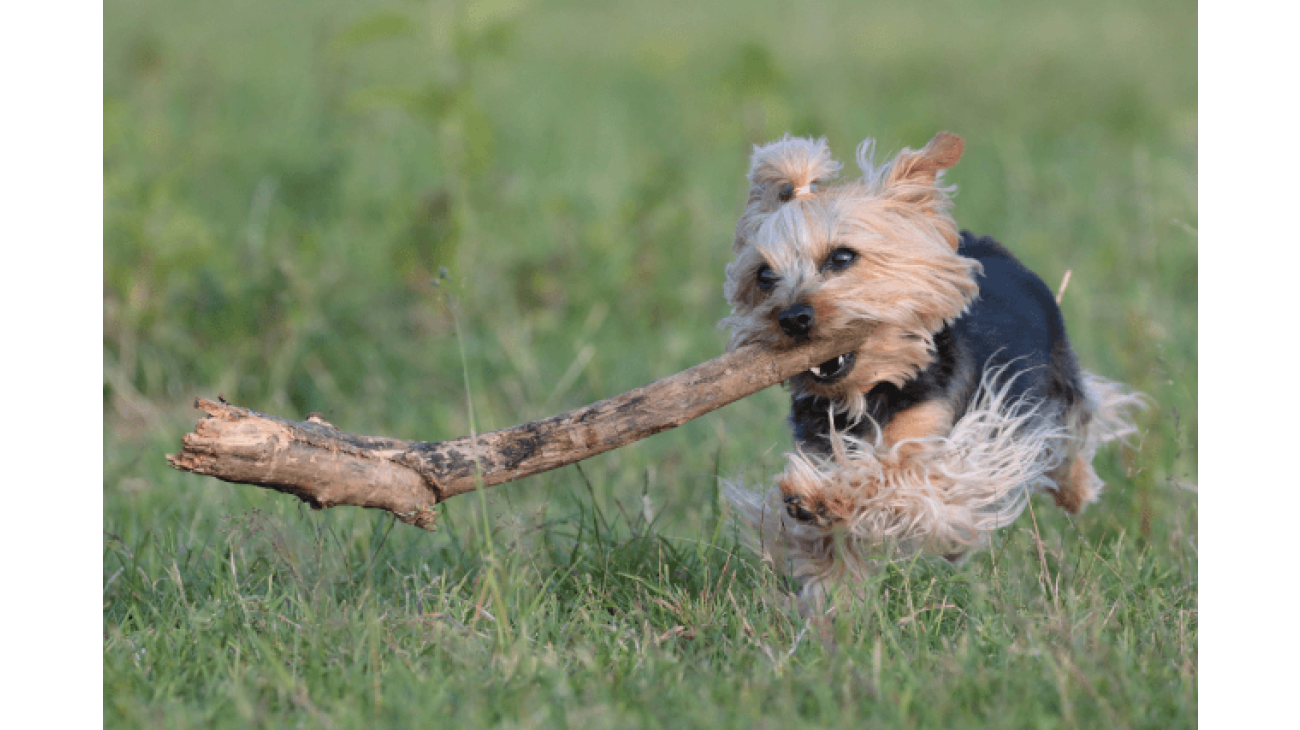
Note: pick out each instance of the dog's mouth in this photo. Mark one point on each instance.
(833, 369)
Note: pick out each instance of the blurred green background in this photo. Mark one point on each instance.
(422, 217)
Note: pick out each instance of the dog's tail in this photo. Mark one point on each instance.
(1114, 407)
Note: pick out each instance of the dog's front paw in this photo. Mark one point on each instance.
(818, 515)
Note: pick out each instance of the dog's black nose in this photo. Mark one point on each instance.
(797, 321)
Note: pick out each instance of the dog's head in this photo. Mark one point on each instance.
(876, 254)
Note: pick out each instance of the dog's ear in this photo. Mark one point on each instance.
(912, 179)
(923, 167)
(789, 169)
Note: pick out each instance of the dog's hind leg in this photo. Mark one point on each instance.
(1076, 484)
(1105, 414)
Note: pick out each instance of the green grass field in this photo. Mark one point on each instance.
(284, 183)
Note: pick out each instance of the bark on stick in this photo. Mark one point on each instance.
(326, 467)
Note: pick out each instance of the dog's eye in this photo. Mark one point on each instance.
(766, 278)
(840, 259)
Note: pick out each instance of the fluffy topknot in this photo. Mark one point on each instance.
(789, 169)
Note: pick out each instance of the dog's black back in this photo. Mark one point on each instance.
(1013, 323)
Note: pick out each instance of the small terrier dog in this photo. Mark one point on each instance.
(965, 397)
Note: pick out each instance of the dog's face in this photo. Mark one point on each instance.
(876, 254)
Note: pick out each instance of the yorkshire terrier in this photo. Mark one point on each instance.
(965, 397)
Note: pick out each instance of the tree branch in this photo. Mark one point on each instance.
(326, 467)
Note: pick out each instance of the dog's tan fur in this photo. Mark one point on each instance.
(911, 281)
(928, 480)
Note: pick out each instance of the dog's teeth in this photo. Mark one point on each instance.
(817, 371)
(839, 361)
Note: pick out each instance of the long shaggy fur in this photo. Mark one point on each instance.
(965, 397)
(967, 485)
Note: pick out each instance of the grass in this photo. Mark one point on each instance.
(284, 183)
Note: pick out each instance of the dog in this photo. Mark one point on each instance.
(965, 397)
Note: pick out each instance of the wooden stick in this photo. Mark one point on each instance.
(326, 467)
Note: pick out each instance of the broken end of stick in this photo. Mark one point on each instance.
(313, 460)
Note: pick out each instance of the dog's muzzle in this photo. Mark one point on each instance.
(797, 321)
